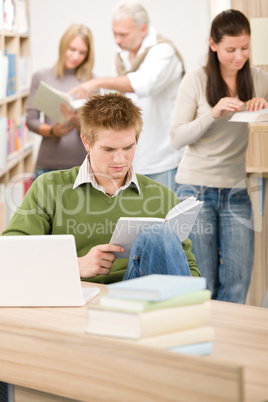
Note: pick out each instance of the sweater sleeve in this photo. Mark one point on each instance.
(187, 247)
(191, 116)
(32, 114)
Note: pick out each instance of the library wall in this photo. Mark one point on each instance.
(184, 22)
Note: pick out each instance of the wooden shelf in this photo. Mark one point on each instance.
(14, 97)
(16, 41)
(18, 158)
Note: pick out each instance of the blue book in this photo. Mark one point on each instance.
(11, 79)
(3, 142)
(196, 349)
(156, 287)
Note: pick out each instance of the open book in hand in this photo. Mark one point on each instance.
(48, 100)
(250, 117)
(180, 219)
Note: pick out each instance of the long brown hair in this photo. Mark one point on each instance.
(85, 68)
(230, 23)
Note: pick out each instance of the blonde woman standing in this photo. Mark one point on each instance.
(61, 146)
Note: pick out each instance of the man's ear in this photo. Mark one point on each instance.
(144, 30)
(85, 142)
(212, 45)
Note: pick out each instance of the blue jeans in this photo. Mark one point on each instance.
(158, 251)
(223, 239)
(166, 178)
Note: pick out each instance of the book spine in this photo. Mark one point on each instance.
(203, 333)
(11, 80)
(195, 349)
(3, 142)
(4, 76)
(174, 319)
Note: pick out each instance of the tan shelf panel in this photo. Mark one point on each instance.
(17, 159)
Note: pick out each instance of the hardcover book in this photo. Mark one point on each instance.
(156, 287)
(48, 100)
(194, 349)
(142, 325)
(187, 337)
(250, 117)
(137, 306)
(180, 219)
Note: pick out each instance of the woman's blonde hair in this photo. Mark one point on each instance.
(84, 71)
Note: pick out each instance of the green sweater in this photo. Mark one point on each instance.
(52, 206)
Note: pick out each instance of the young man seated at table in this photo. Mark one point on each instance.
(87, 201)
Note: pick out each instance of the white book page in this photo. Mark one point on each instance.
(126, 231)
(180, 219)
(181, 207)
(247, 117)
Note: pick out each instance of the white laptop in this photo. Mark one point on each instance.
(264, 302)
(41, 271)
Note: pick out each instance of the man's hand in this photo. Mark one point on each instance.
(121, 84)
(82, 91)
(98, 261)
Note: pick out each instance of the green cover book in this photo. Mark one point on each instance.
(120, 304)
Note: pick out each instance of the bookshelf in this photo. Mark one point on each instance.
(16, 149)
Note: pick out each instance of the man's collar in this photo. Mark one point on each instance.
(85, 175)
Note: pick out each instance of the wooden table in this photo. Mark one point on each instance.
(46, 353)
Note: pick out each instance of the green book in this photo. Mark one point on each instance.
(185, 299)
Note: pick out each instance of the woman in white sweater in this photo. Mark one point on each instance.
(213, 165)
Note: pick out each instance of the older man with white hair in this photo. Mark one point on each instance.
(149, 70)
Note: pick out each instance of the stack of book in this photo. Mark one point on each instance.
(159, 311)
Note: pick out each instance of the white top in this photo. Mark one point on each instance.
(155, 85)
(216, 148)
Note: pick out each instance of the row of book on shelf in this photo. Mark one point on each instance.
(156, 311)
(15, 139)
(8, 74)
(14, 16)
(11, 197)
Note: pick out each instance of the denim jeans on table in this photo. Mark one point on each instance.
(157, 250)
(166, 178)
(223, 239)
